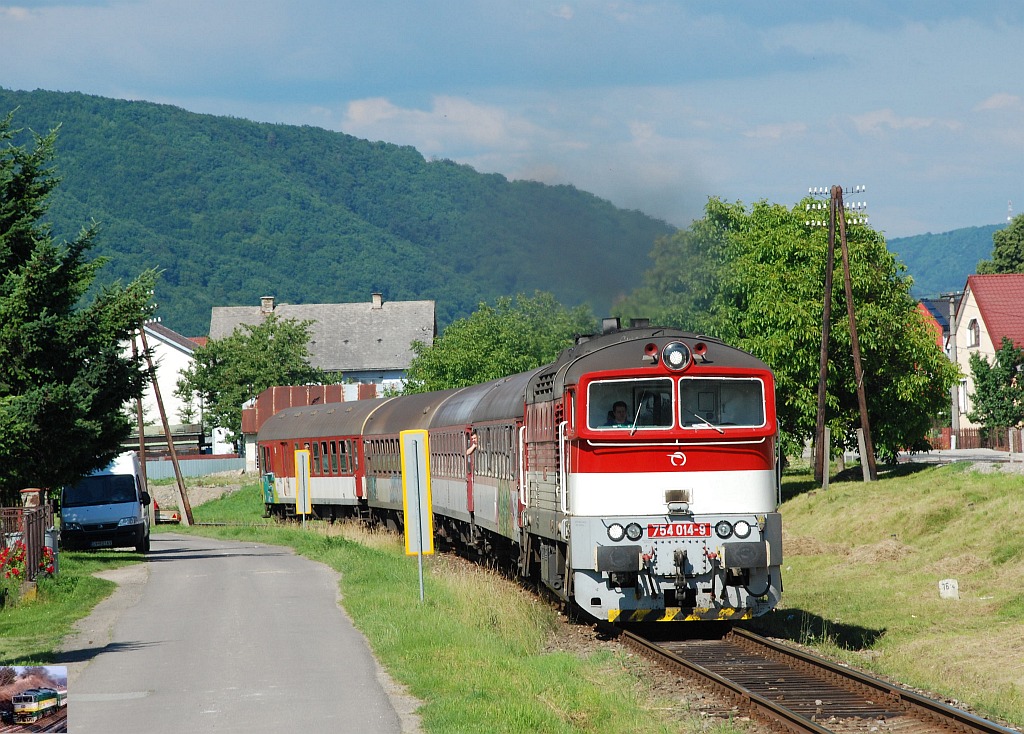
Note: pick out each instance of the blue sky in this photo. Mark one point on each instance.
(653, 105)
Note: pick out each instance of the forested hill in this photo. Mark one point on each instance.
(940, 263)
(231, 210)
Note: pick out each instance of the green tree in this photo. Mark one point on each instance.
(998, 396)
(230, 371)
(1007, 250)
(759, 275)
(64, 377)
(513, 335)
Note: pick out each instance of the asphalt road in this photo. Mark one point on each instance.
(217, 636)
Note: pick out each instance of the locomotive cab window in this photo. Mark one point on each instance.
(717, 402)
(630, 404)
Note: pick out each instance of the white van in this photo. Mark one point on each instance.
(107, 509)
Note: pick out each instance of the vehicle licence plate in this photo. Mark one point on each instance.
(101, 543)
(679, 530)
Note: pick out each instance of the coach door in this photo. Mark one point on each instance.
(471, 459)
(288, 462)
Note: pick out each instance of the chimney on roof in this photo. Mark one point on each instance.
(266, 305)
(378, 301)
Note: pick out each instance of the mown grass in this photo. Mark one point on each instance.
(32, 629)
(862, 569)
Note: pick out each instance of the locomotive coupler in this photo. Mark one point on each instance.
(679, 560)
(716, 564)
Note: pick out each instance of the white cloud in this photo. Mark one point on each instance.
(15, 13)
(1002, 101)
(450, 126)
(877, 121)
(777, 132)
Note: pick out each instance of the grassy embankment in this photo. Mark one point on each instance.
(862, 568)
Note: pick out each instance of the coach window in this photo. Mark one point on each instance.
(316, 457)
(334, 456)
(343, 460)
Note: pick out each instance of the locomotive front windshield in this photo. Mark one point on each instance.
(713, 403)
(700, 402)
(630, 404)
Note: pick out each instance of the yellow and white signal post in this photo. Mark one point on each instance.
(419, 512)
(303, 502)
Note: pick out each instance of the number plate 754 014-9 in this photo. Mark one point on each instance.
(679, 530)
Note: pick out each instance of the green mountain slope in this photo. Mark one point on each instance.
(231, 210)
(940, 263)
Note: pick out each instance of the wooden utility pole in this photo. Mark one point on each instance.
(186, 506)
(858, 375)
(837, 217)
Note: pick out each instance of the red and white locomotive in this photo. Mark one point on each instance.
(637, 476)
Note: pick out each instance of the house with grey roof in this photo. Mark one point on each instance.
(369, 342)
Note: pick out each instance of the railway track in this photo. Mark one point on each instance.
(793, 691)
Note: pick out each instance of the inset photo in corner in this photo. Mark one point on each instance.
(34, 694)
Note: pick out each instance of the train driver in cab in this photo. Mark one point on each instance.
(618, 415)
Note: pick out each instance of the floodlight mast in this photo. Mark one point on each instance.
(838, 219)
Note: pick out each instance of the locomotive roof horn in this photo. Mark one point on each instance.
(651, 353)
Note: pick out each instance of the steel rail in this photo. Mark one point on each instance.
(747, 699)
(911, 700)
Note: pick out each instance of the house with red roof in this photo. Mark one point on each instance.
(992, 307)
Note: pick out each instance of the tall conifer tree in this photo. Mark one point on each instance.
(64, 376)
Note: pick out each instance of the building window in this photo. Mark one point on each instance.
(973, 333)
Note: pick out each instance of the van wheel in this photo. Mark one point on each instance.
(143, 547)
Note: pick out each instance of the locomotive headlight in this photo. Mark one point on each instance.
(676, 355)
(634, 532)
(723, 529)
(741, 529)
(616, 532)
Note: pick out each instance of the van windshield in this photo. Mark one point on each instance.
(104, 489)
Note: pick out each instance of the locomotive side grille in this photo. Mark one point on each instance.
(544, 387)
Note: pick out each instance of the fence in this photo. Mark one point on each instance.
(198, 466)
(997, 439)
(29, 525)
